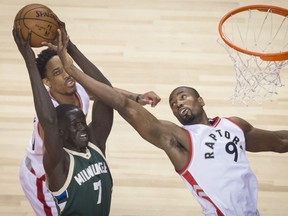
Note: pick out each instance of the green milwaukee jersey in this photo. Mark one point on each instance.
(88, 187)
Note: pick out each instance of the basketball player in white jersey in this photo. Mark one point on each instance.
(208, 153)
(62, 89)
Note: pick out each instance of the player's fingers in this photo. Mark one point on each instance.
(156, 100)
(17, 31)
(63, 32)
(28, 41)
(50, 45)
(153, 102)
(14, 32)
(145, 101)
(45, 44)
(59, 41)
(61, 24)
(65, 38)
(18, 35)
(66, 42)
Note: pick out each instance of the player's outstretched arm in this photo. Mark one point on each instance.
(90, 69)
(258, 140)
(149, 97)
(43, 105)
(165, 135)
(93, 71)
(82, 61)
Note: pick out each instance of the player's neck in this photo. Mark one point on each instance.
(66, 99)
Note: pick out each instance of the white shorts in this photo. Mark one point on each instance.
(36, 191)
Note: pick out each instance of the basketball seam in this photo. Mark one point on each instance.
(37, 8)
(21, 18)
(36, 19)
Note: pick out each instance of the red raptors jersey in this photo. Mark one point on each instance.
(218, 173)
(34, 150)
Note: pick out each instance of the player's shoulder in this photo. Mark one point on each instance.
(242, 123)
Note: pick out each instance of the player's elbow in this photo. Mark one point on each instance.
(282, 148)
(280, 142)
(121, 103)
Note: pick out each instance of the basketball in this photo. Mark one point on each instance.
(40, 20)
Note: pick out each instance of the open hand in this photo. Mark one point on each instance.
(61, 48)
(23, 46)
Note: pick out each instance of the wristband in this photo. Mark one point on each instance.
(137, 98)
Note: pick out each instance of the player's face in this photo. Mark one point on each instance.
(57, 79)
(77, 130)
(187, 108)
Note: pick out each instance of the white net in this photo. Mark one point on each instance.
(261, 32)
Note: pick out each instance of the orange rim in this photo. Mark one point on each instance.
(264, 56)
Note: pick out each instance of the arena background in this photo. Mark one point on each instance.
(142, 45)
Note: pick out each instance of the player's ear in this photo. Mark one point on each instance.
(46, 82)
(201, 101)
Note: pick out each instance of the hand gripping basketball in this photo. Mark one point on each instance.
(61, 48)
(42, 22)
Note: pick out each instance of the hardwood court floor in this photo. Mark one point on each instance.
(142, 45)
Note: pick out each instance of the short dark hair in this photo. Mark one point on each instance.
(42, 60)
(62, 109)
(193, 91)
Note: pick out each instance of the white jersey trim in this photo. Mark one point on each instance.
(69, 177)
(86, 155)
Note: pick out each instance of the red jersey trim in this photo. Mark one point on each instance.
(199, 191)
(216, 121)
(229, 119)
(41, 195)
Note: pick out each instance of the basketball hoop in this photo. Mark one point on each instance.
(256, 39)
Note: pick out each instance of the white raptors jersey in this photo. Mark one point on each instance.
(218, 173)
(34, 150)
